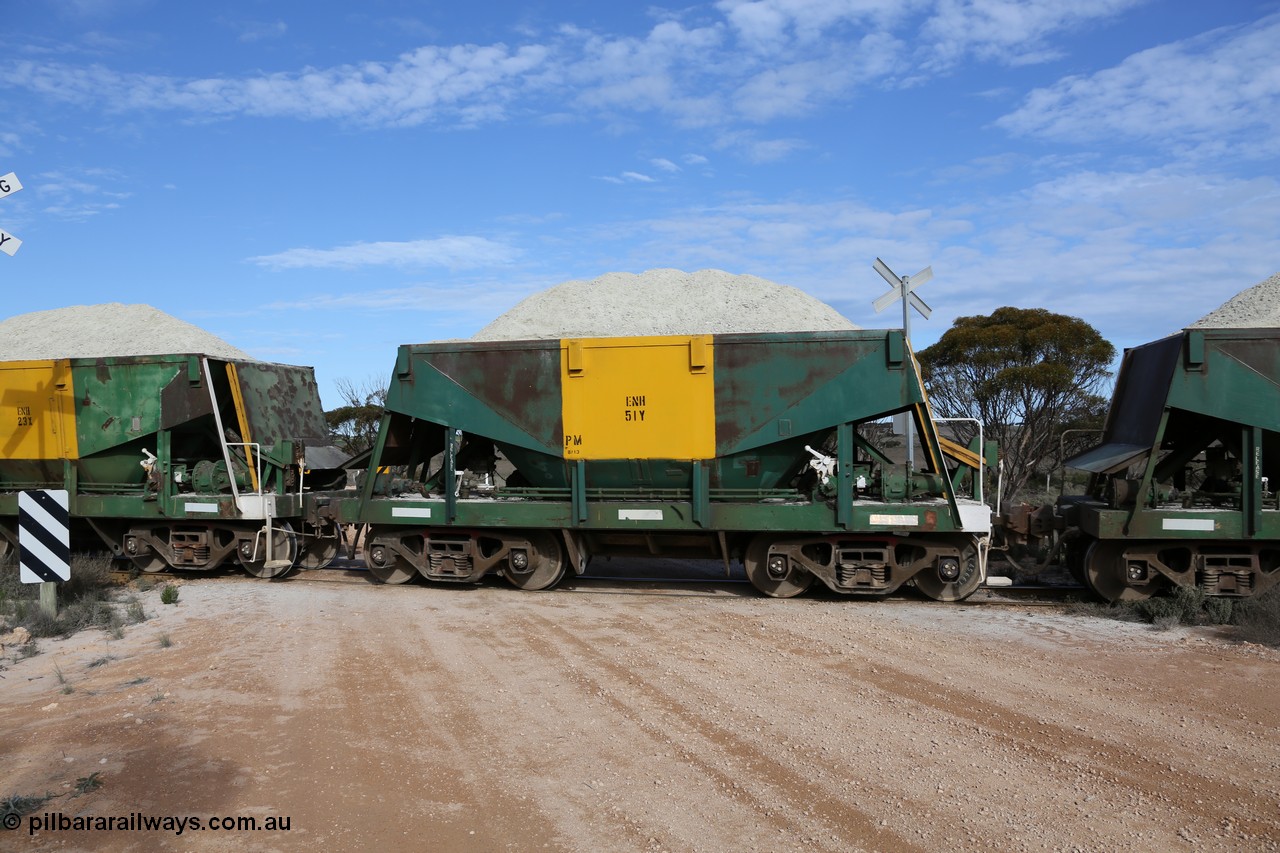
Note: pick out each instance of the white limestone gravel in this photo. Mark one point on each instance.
(107, 330)
(1257, 307)
(663, 302)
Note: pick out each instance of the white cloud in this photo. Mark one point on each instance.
(9, 143)
(77, 196)
(260, 31)
(1137, 254)
(751, 147)
(628, 178)
(774, 25)
(82, 9)
(748, 61)
(1013, 32)
(657, 162)
(1219, 92)
(466, 83)
(453, 252)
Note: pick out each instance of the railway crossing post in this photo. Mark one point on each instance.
(9, 184)
(902, 287)
(44, 542)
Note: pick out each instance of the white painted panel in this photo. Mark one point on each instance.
(1204, 525)
(896, 520)
(411, 512)
(640, 515)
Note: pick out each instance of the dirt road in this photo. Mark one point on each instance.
(622, 716)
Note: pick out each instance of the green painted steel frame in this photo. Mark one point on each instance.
(1231, 376)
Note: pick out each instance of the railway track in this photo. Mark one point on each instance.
(667, 584)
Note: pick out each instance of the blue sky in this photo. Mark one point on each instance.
(320, 182)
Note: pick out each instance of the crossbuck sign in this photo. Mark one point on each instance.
(902, 287)
(9, 184)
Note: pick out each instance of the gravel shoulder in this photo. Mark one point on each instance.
(613, 715)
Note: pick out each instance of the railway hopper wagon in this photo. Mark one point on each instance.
(1182, 488)
(174, 461)
(528, 458)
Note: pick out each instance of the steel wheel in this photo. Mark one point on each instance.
(776, 576)
(320, 546)
(385, 564)
(149, 563)
(1104, 573)
(284, 551)
(544, 567)
(950, 578)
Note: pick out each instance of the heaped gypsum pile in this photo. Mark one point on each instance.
(104, 331)
(663, 302)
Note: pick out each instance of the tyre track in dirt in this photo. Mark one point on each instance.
(809, 741)
(588, 751)
(485, 718)
(768, 784)
(1141, 765)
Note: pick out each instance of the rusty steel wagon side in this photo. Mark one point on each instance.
(528, 458)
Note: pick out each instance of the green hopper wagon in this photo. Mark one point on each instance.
(527, 458)
(174, 461)
(1183, 484)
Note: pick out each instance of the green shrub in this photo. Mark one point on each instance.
(1258, 618)
(1183, 607)
(20, 805)
(41, 624)
(85, 784)
(169, 594)
(90, 576)
(88, 613)
(1218, 611)
(135, 612)
(83, 601)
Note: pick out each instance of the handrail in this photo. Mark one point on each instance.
(978, 488)
(257, 459)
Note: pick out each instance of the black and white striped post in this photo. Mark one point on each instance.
(44, 543)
